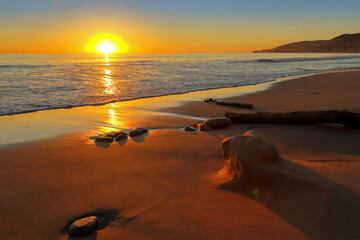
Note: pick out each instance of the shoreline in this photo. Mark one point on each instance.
(165, 95)
(290, 77)
(30, 126)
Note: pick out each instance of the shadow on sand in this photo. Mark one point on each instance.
(317, 206)
(92, 236)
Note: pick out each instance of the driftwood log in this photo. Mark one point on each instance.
(349, 119)
(232, 104)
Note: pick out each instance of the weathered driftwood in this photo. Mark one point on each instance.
(349, 119)
(232, 104)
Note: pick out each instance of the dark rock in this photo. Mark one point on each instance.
(121, 137)
(120, 133)
(111, 134)
(144, 130)
(204, 127)
(194, 125)
(135, 132)
(103, 139)
(189, 128)
(218, 122)
(83, 226)
(122, 141)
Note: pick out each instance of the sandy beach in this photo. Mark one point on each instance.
(170, 184)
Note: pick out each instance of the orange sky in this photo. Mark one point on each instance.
(66, 26)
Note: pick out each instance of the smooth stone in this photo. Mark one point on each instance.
(218, 122)
(189, 128)
(83, 225)
(135, 132)
(203, 127)
(121, 137)
(110, 134)
(120, 133)
(103, 139)
(142, 129)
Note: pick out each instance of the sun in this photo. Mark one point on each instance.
(106, 48)
(106, 43)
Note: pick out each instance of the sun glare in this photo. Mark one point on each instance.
(106, 48)
(106, 43)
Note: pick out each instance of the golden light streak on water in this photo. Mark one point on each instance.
(107, 71)
(108, 81)
(113, 119)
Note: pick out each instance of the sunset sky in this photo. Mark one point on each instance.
(172, 26)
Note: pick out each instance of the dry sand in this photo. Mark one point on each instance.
(169, 184)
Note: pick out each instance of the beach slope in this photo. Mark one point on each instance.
(171, 184)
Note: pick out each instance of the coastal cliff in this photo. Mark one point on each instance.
(346, 43)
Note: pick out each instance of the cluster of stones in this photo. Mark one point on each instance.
(120, 135)
(209, 124)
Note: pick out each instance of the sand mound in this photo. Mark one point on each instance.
(250, 158)
(319, 207)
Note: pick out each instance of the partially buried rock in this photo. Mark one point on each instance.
(204, 127)
(135, 132)
(218, 122)
(144, 130)
(189, 128)
(121, 137)
(103, 139)
(83, 225)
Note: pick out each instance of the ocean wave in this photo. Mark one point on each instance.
(235, 62)
(25, 66)
(74, 82)
(42, 107)
(309, 59)
(304, 59)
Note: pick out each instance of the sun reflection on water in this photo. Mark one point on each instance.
(107, 71)
(108, 82)
(113, 121)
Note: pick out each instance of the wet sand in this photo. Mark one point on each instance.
(169, 184)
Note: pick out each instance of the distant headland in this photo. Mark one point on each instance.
(346, 43)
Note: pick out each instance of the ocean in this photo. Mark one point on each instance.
(32, 82)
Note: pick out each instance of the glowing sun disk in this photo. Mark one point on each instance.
(106, 43)
(106, 47)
